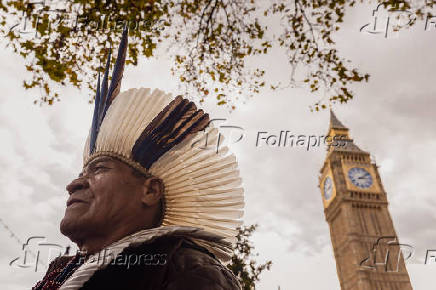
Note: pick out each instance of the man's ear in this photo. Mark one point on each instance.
(153, 190)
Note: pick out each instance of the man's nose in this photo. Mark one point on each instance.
(77, 184)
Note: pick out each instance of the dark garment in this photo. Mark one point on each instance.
(167, 263)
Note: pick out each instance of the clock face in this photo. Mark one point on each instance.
(328, 188)
(360, 177)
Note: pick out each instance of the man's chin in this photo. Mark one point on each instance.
(72, 227)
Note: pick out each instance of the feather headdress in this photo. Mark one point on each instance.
(172, 140)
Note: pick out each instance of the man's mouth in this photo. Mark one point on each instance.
(74, 200)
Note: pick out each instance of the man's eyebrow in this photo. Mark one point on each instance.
(102, 159)
(96, 161)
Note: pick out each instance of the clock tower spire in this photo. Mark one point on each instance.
(365, 244)
(335, 123)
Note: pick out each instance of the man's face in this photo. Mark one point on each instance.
(104, 197)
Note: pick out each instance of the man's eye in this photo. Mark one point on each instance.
(99, 168)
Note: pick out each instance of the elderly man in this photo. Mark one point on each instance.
(153, 208)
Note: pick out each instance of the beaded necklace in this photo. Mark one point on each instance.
(57, 277)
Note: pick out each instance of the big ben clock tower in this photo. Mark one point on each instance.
(365, 245)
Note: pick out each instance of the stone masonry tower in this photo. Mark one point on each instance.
(366, 247)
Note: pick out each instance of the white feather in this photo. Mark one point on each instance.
(202, 184)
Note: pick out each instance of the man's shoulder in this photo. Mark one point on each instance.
(191, 256)
(166, 263)
(193, 267)
(186, 264)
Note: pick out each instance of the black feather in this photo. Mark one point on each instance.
(94, 126)
(105, 96)
(170, 127)
(104, 89)
(117, 74)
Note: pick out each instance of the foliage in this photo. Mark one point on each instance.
(209, 42)
(243, 265)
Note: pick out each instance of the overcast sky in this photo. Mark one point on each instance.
(392, 117)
